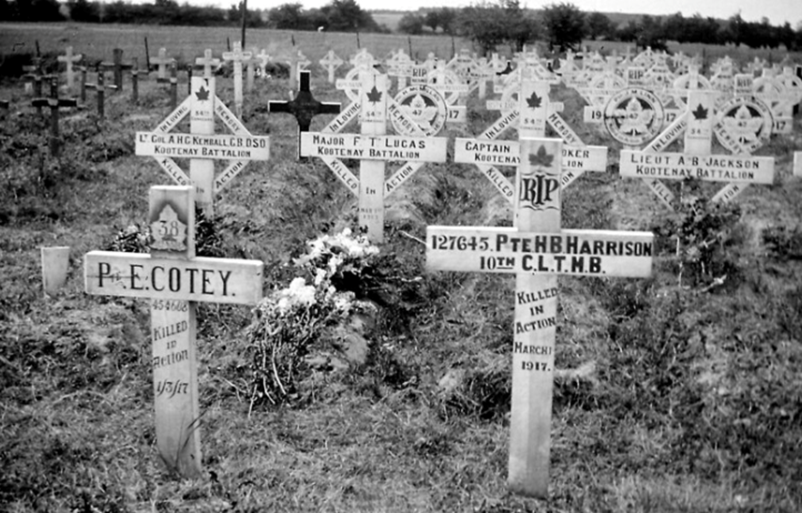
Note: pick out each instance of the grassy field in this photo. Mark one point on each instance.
(95, 43)
(678, 393)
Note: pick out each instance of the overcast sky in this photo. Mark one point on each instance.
(777, 11)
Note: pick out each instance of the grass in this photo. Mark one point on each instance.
(688, 400)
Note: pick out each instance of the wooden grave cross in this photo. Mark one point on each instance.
(237, 56)
(601, 87)
(264, 60)
(207, 61)
(530, 112)
(373, 148)
(303, 106)
(537, 251)
(99, 87)
(202, 146)
(250, 69)
(174, 280)
(54, 102)
(117, 66)
(399, 65)
(69, 59)
(162, 62)
(797, 164)
(330, 62)
(297, 62)
(698, 124)
(351, 85)
(451, 86)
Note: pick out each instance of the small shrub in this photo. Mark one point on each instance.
(783, 243)
(709, 235)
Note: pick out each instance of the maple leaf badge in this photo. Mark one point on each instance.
(168, 232)
(202, 94)
(534, 101)
(541, 158)
(374, 95)
(699, 112)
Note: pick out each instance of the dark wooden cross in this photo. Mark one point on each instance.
(54, 102)
(117, 66)
(100, 87)
(304, 106)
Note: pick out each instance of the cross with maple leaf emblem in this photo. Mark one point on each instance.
(698, 124)
(373, 148)
(531, 112)
(174, 279)
(536, 258)
(202, 146)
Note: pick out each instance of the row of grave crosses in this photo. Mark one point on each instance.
(603, 83)
(536, 249)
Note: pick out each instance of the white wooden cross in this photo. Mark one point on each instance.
(297, 62)
(399, 65)
(68, 59)
(330, 63)
(202, 146)
(250, 69)
(798, 164)
(237, 56)
(174, 279)
(207, 61)
(264, 59)
(162, 61)
(698, 123)
(531, 112)
(451, 86)
(351, 84)
(537, 251)
(374, 149)
(601, 87)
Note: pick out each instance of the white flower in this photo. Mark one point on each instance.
(319, 277)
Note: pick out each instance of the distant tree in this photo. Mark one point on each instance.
(411, 23)
(786, 36)
(628, 32)
(490, 25)
(442, 17)
(565, 26)
(83, 10)
(287, 16)
(347, 16)
(651, 34)
(599, 26)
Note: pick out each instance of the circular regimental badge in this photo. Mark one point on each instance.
(634, 116)
(424, 106)
(744, 124)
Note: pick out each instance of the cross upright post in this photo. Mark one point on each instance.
(174, 279)
(374, 149)
(537, 250)
(207, 61)
(303, 106)
(117, 66)
(161, 62)
(69, 59)
(330, 63)
(237, 57)
(54, 102)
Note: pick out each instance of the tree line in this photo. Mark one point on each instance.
(487, 23)
(565, 26)
(338, 15)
